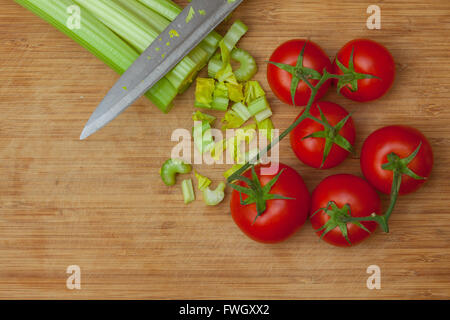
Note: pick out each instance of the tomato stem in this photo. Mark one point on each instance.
(399, 167)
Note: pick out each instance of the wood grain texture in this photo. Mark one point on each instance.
(100, 203)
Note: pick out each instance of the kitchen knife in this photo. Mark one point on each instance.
(190, 28)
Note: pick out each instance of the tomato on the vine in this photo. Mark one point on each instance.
(321, 147)
(394, 147)
(363, 56)
(286, 63)
(276, 206)
(339, 197)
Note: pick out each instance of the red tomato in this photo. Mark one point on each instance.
(311, 150)
(345, 189)
(282, 217)
(280, 80)
(402, 141)
(369, 57)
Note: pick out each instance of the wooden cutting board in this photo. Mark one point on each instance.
(99, 204)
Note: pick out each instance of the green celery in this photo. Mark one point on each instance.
(188, 191)
(200, 116)
(165, 8)
(241, 110)
(203, 182)
(266, 127)
(100, 41)
(170, 10)
(137, 32)
(234, 34)
(263, 115)
(258, 105)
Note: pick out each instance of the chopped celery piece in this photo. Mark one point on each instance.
(204, 92)
(235, 92)
(203, 182)
(263, 115)
(199, 116)
(252, 91)
(258, 105)
(232, 120)
(234, 34)
(188, 191)
(220, 103)
(232, 170)
(203, 139)
(247, 68)
(214, 65)
(243, 135)
(190, 15)
(225, 74)
(214, 197)
(265, 127)
(241, 110)
(221, 90)
(170, 168)
(221, 100)
(218, 149)
(100, 41)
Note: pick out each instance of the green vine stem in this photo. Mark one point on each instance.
(399, 167)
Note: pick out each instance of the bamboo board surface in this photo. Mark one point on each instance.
(100, 204)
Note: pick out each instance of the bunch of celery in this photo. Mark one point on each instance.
(117, 31)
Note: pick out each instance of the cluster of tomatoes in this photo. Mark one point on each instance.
(343, 208)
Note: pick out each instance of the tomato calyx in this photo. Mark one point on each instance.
(399, 167)
(299, 73)
(339, 217)
(350, 77)
(331, 136)
(257, 193)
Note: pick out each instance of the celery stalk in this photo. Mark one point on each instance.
(188, 191)
(100, 41)
(170, 10)
(167, 9)
(137, 32)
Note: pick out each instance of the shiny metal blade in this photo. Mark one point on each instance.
(184, 33)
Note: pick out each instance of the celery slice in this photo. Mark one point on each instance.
(263, 115)
(258, 105)
(203, 182)
(232, 120)
(265, 127)
(247, 68)
(220, 103)
(235, 92)
(214, 197)
(199, 116)
(188, 191)
(241, 110)
(234, 34)
(232, 170)
(214, 65)
(203, 139)
(252, 91)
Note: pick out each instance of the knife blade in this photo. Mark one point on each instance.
(157, 60)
